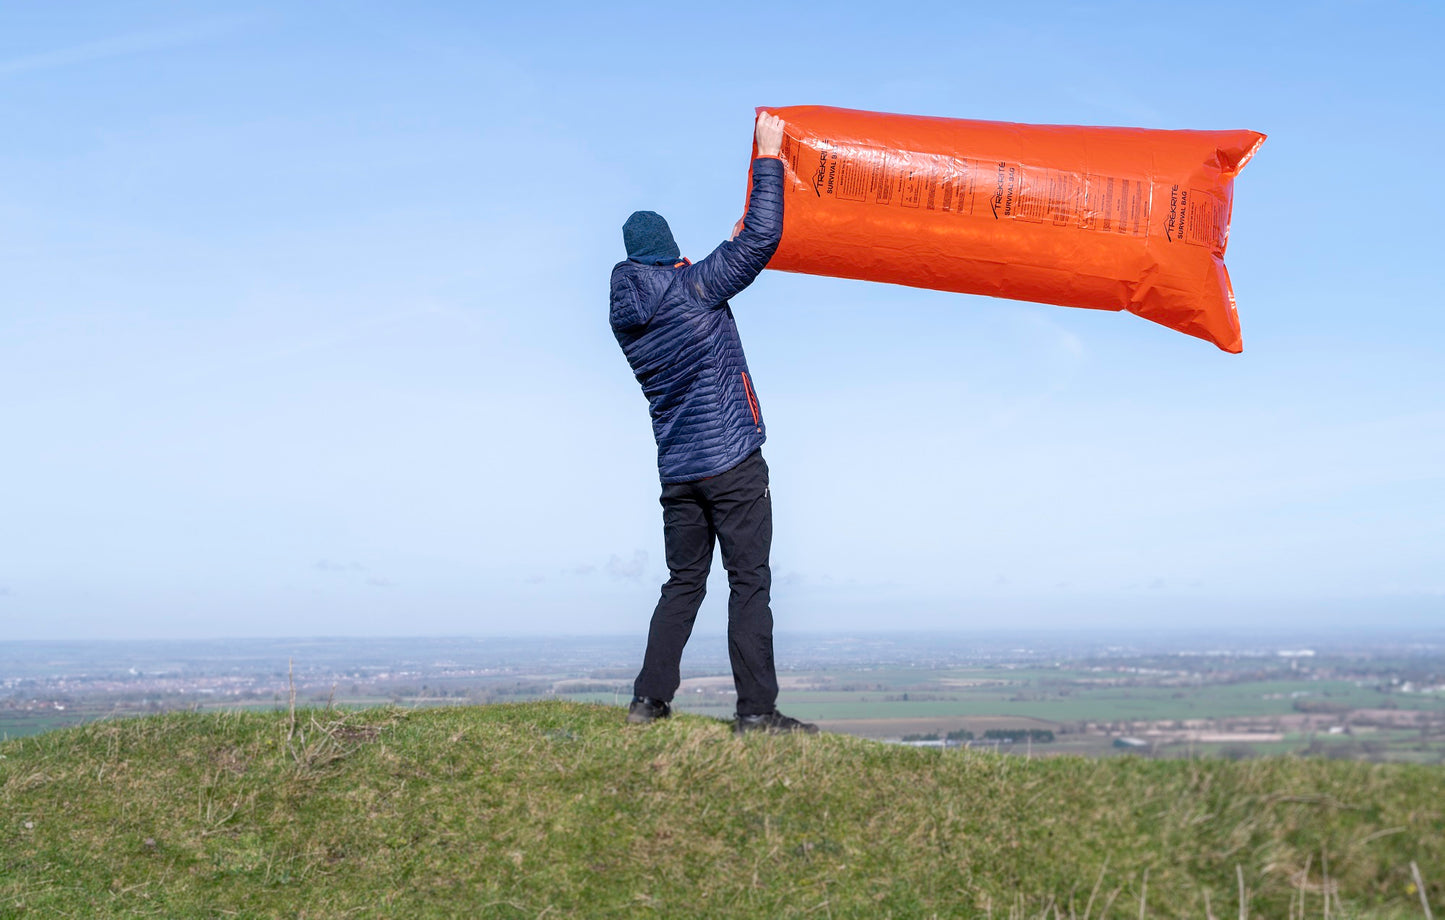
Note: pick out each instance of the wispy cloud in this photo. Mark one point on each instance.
(129, 44)
(326, 565)
(627, 568)
(1067, 347)
(376, 580)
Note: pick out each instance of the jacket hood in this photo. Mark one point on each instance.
(649, 240)
(637, 292)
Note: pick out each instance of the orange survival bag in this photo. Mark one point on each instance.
(1104, 218)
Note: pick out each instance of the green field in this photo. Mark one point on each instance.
(17, 723)
(1071, 697)
(1054, 696)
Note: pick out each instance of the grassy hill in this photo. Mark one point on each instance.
(557, 810)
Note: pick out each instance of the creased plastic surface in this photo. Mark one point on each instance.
(1104, 218)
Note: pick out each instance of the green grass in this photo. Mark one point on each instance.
(559, 809)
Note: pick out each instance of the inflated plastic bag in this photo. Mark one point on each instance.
(1104, 218)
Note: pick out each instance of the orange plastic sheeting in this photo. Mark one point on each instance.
(1104, 218)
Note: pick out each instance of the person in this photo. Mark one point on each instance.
(674, 323)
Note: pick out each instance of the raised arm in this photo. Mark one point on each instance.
(733, 265)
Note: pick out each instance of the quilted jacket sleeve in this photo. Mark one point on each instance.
(733, 265)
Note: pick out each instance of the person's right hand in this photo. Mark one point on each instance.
(769, 135)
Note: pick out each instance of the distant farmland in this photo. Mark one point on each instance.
(1356, 701)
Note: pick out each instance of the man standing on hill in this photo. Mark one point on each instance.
(675, 326)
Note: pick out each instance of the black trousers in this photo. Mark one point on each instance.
(735, 509)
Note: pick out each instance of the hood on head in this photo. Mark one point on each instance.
(649, 240)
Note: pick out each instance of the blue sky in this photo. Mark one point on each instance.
(303, 324)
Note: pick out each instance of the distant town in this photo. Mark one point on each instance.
(1378, 697)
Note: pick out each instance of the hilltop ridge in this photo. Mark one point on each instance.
(559, 809)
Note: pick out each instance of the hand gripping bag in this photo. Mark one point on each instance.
(1103, 218)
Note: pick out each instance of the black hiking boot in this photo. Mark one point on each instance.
(645, 709)
(774, 723)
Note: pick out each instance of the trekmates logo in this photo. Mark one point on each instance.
(1003, 190)
(827, 171)
(1178, 205)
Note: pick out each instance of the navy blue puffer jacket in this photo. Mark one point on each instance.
(677, 330)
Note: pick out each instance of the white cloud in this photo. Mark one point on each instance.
(627, 568)
(326, 565)
(123, 45)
